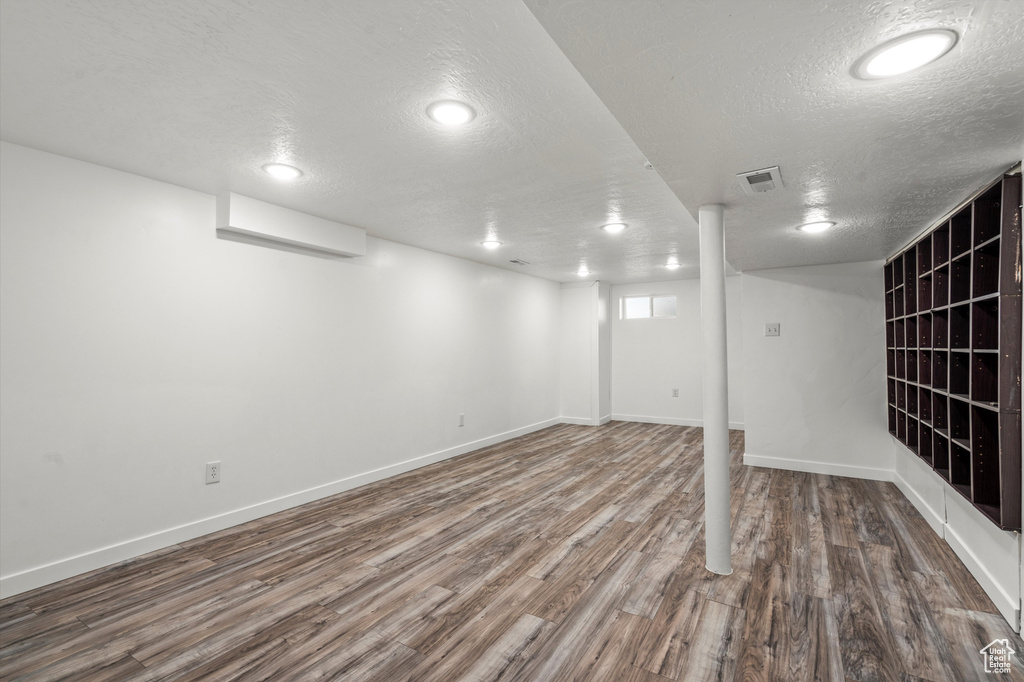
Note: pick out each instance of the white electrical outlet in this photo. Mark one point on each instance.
(772, 329)
(212, 472)
(675, 392)
(462, 419)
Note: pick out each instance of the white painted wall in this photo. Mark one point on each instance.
(577, 360)
(652, 356)
(136, 347)
(585, 358)
(815, 396)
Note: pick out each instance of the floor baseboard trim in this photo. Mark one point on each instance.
(30, 579)
(935, 519)
(811, 467)
(673, 421)
(1009, 609)
(578, 421)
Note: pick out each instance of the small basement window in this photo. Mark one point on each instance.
(637, 307)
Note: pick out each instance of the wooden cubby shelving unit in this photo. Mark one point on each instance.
(953, 350)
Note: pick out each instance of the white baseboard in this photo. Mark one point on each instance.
(1009, 608)
(811, 467)
(579, 421)
(738, 426)
(936, 518)
(32, 578)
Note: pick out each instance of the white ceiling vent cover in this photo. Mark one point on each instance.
(257, 222)
(764, 180)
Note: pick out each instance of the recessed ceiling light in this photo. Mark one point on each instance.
(583, 271)
(282, 171)
(905, 53)
(451, 113)
(491, 244)
(614, 228)
(820, 226)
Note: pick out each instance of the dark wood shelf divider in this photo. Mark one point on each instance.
(953, 350)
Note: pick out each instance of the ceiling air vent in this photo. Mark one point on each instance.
(516, 261)
(763, 180)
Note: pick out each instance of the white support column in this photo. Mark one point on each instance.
(717, 533)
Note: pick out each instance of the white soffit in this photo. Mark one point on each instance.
(258, 220)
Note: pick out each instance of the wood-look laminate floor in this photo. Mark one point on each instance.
(574, 553)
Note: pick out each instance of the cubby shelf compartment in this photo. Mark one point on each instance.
(940, 329)
(924, 330)
(986, 269)
(924, 257)
(910, 284)
(940, 370)
(985, 324)
(960, 233)
(924, 293)
(960, 469)
(912, 434)
(925, 447)
(960, 326)
(960, 279)
(940, 418)
(959, 373)
(985, 378)
(940, 455)
(940, 287)
(953, 350)
(940, 245)
(988, 214)
(924, 367)
(925, 406)
(912, 401)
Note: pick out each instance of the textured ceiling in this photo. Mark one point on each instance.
(711, 89)
(201, 93)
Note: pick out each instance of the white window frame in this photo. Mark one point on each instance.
(650, 306)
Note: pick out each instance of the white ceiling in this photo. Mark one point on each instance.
(711, 89)
(201, 93)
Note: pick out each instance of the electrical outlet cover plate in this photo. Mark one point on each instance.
(772, 329)
(212, 472)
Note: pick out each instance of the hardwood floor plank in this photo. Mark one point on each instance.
(864, 639)
(763, 653)
(814, 654)
(611, 650)
(912, 630)
(566, 645)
